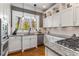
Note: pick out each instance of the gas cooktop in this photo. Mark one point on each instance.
(70, 43)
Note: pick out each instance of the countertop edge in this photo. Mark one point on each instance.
(59, 35)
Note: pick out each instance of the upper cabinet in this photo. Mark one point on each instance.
(44, 22)
(52, 21)
(64, 18)
(76, 16)
(4, 10)
(56, 20)
(5, 13)
(47, 22)
(67, 17)
(1, 10)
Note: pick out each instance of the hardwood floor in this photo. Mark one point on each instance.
(40, 51)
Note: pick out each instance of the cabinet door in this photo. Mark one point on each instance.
(56, 20)
(33, 41)
(11, 43)
(48, 21)
(1, 9)
(51, 53)
(45, 22)
(67, 17)
(26, 42)
(14, 43)
(48, 52)
(77, 16)
(45, 39)
(7, 11)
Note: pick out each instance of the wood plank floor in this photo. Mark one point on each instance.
(40, 51)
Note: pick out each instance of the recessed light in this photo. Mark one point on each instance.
(44, 6)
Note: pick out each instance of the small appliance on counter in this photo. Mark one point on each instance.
(3, 37)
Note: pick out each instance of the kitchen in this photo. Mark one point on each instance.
(40, 29)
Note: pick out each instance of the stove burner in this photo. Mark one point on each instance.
(70, 43)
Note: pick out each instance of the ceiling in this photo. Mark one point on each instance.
(39, 6)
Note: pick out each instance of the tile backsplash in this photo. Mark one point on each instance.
(64, 30)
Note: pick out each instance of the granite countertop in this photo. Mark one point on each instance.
(70, 43)
(22, 35)
(59, 35)
(26, 34)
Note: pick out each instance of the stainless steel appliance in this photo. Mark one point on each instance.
(72, 43)
(40, 39)
(3, 37)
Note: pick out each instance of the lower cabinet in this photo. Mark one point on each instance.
(29, 42)
(22, 42)
(48, 52)
(14, 43)
(26, 42)
(33, 42)
(50, 42)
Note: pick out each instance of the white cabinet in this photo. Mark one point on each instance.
(50, 41)
(67, 17)
(49, 52)
(63, 18)
(22, 42)
(50, 21)
(15, 43)
(26, 42)
(56, 20)
(33, 41)
(47, 22)
(76, 16)
(29, 42)
(1, 10)
(45, 39)
(5, 10)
